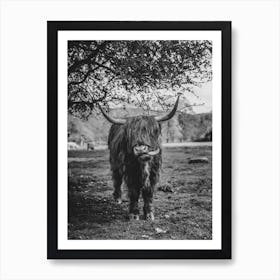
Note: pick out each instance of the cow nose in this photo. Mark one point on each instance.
(141, 149)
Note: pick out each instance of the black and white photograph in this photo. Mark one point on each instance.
(137, 132)
(142, 169)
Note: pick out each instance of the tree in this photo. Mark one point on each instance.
(133, 71)
(172, 131)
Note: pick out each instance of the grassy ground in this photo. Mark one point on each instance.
(183, 199)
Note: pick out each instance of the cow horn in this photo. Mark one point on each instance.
(171, 113)
(110, 119)
(153, 153)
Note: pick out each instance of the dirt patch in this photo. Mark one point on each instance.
(183, 200)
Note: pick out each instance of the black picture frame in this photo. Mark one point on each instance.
(52, 102)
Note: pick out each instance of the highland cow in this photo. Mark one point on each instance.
(135, 157)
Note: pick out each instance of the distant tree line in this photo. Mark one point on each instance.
(181, 128)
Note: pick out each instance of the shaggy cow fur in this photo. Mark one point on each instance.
(139, 171)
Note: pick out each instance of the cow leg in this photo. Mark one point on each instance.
(117, 181)
(148, 209)
(133, 193)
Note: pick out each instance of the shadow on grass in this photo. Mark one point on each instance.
(94, 209)
(89, 217)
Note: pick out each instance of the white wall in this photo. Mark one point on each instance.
(255, 139)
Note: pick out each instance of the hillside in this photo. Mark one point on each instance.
(181, 128)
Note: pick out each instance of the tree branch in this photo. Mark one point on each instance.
(106, 67)
(85, 77)
(79, 63)
(88, 103)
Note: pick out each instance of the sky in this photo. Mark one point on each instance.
(200, 95)
(204, 95)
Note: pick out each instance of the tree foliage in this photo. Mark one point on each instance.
(133, 71)
(172, 131)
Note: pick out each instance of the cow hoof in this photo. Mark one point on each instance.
(150, 217)
(134, 217)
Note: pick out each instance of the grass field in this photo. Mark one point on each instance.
(182, 201)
